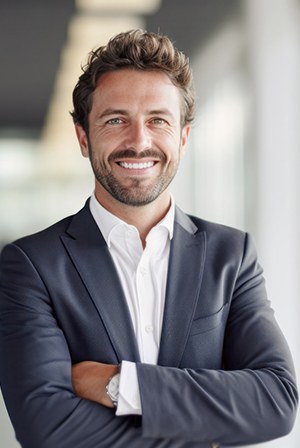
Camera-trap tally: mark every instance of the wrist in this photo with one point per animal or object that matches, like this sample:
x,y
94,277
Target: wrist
x,y
112,387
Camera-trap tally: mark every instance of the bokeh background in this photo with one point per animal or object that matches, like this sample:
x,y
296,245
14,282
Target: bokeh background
x,y
243,164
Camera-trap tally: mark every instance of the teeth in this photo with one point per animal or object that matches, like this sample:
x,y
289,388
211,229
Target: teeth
x,y
136,166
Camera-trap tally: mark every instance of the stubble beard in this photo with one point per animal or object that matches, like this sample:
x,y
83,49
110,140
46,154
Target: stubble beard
x,y
139,192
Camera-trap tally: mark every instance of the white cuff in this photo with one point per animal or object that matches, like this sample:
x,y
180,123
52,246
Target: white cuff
x,y
129,401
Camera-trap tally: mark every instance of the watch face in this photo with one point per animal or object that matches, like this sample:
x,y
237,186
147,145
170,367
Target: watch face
x,y
113,388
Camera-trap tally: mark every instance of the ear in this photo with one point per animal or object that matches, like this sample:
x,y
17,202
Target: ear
x,y
82,139
184,139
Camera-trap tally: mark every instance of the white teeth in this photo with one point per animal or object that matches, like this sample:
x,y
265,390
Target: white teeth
x,y
136,166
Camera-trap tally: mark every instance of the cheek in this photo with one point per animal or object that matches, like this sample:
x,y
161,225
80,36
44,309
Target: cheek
x,y
105,142
100,147
174,149
168,142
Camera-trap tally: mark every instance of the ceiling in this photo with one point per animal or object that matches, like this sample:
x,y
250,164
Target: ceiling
x,y
31,36
33,32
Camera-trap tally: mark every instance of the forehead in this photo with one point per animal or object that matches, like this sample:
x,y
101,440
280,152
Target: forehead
x,y
134,87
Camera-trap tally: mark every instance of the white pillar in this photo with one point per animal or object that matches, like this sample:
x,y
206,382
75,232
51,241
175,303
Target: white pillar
x,y
274,57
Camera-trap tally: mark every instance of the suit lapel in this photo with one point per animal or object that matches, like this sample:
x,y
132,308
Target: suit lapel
x,y
186,265
90,255
92,259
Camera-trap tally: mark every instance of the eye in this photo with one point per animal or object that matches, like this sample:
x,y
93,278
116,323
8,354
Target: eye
x,y
114,121
159,121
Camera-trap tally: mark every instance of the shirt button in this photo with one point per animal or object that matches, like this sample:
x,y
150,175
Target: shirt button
x,y
143,270
128,232
149,329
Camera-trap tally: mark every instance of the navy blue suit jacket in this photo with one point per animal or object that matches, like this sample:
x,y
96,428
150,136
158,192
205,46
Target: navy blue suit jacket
x,y
224,373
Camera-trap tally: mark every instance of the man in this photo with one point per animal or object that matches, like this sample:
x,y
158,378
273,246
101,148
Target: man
x,y
131,324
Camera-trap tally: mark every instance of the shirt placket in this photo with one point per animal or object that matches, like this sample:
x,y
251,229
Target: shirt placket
x,y
147,309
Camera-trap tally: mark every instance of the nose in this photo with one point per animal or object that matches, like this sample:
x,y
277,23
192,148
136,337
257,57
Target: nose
x,y
138,137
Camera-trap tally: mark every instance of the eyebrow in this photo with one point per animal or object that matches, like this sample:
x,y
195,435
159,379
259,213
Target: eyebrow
x,y
110,111
161,112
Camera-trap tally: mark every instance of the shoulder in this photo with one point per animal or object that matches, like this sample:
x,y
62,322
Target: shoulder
x,y
223,239
195,224
47,235
40,246
217,229
230,248
47,240
216,235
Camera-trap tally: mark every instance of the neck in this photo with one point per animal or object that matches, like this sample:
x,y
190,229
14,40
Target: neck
x,y
143,217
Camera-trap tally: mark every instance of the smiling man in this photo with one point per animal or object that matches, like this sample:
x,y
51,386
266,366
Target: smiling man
x,y
135,140
132,324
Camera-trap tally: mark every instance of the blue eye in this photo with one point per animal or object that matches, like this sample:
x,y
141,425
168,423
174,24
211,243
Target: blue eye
x,y
158,121
114,121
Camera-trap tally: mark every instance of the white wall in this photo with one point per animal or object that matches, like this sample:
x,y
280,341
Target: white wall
x,y
7,436
274,50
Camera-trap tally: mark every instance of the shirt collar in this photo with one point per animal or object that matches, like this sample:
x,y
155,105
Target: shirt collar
x,y
106,221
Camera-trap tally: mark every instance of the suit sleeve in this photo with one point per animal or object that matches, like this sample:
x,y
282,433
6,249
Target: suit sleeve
x,y
251,400
35,370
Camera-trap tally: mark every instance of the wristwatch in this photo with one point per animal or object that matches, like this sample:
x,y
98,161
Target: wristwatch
x,y
112,389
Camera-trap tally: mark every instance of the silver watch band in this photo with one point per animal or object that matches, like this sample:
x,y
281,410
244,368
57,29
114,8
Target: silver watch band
x,y
112,388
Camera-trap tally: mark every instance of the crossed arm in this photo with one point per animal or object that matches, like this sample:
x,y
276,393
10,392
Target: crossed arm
x,y
54,404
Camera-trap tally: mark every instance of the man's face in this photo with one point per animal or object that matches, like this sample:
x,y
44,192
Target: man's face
x,y
135,137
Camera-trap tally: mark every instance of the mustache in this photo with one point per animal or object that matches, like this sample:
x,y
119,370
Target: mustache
x,y
132,154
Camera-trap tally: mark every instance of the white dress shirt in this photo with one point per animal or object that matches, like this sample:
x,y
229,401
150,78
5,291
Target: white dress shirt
x,y
143,276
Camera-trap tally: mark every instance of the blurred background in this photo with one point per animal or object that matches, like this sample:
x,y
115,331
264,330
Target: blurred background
x,y
242,166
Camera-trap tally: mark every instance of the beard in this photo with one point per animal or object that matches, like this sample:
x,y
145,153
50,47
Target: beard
x,y
137,192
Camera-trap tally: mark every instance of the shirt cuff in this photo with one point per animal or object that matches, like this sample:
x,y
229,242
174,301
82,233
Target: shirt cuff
x,y
129,401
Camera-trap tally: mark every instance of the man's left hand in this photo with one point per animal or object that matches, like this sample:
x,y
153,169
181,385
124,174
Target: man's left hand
x,y
90,379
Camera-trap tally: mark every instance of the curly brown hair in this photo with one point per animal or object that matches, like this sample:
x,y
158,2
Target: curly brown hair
x,y
140,50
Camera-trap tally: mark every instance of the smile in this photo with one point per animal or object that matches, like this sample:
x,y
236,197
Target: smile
x,y
136,165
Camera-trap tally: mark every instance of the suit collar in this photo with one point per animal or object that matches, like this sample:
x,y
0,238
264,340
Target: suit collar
x,y
185,221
